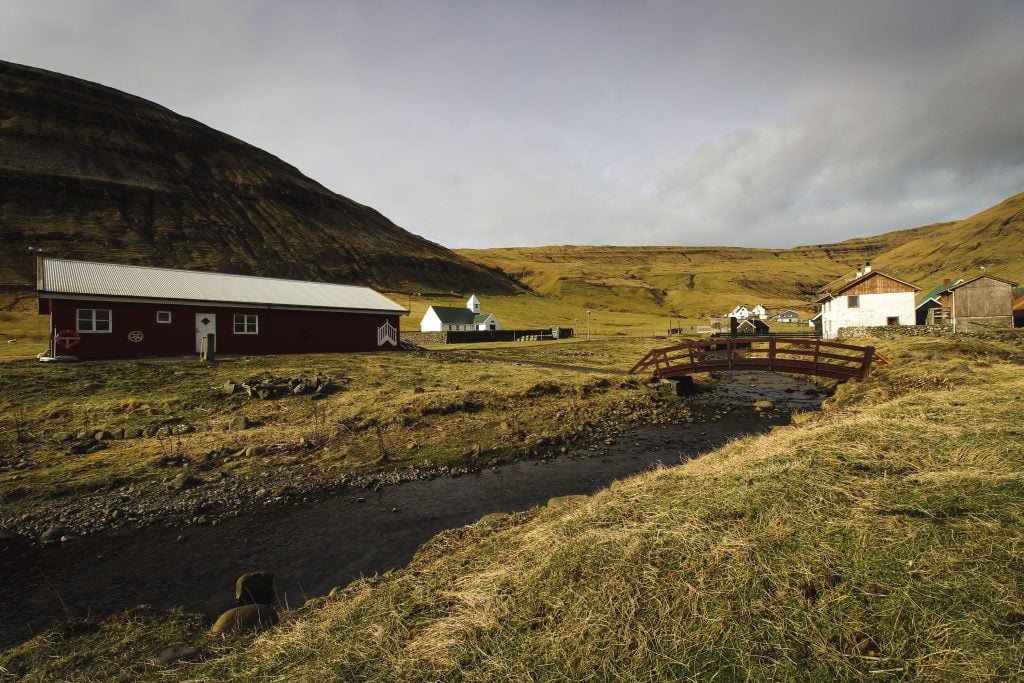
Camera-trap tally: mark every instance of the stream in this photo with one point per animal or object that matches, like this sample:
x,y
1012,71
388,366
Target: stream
x,y
356,533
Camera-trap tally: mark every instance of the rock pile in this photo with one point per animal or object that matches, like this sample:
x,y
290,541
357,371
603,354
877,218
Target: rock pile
x,y
269,388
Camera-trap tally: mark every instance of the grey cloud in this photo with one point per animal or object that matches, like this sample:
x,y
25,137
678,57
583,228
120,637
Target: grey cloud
x,y
527,123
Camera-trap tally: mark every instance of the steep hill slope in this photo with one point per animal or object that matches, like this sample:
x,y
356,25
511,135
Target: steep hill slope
x,y
91,172
993,239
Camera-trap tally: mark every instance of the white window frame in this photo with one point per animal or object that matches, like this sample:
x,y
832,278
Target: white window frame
x,y
246,323
91,319
159,314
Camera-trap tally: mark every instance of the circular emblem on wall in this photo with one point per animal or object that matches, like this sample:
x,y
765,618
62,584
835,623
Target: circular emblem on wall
x,y
135,336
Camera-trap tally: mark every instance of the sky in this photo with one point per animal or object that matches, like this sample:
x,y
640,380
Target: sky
x,y
480,123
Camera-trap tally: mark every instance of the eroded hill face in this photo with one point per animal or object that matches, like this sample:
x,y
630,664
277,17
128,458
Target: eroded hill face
x,y
90,172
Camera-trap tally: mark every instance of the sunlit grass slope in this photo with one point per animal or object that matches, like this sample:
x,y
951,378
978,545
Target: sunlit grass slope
x,y
881,539
993,239
672,282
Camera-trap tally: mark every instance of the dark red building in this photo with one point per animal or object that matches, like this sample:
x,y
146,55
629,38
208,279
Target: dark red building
x,y
106,310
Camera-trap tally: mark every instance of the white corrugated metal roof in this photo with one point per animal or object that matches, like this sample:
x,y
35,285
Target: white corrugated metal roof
x,y
63,276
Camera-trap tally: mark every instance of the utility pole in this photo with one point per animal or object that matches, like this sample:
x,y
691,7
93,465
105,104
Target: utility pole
x,y
588,324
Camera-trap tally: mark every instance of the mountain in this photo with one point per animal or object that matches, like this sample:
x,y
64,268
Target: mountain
x,y
90,172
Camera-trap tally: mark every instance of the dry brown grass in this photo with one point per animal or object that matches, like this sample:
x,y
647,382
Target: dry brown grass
x,y
882,539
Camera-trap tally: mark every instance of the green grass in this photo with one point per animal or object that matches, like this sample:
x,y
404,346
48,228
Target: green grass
x,y
882,539
22,335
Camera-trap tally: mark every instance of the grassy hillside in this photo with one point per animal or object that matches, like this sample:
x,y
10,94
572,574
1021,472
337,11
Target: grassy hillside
x,y
880,539
656,284
90,172
993,238
669,282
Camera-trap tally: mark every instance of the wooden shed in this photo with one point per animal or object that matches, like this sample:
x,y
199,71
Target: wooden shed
x,y
983,302
107,310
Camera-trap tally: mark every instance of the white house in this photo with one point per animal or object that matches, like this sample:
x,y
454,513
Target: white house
x,y
758,312
870,299
454,319
741,312
786,316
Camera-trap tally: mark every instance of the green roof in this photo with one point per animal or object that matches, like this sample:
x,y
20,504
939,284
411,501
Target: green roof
x,y
934,292
453,315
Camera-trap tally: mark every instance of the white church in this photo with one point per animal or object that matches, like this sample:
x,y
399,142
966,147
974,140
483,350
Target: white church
x,y
454,319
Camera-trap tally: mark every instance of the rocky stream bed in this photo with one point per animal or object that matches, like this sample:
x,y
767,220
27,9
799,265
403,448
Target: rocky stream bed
x,y
185,542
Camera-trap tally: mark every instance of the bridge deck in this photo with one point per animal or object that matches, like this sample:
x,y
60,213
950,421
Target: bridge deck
x,y
778,354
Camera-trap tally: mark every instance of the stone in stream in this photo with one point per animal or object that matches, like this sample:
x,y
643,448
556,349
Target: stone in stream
x,y
254,588
245,618
763,405
52,535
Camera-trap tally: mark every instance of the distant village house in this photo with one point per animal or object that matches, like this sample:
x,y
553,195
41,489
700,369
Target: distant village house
x,y
454,319
786,316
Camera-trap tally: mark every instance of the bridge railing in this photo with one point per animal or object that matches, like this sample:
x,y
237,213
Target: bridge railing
x,y
801,356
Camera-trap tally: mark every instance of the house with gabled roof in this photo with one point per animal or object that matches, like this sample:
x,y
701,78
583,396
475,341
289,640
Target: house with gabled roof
x,y
455,319
741,312
870,299
785,316
111,310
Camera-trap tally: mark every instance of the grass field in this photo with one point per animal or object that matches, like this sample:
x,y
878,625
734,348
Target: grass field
x,y
881,539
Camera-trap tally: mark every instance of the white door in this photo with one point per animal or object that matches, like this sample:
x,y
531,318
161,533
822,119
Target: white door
x,y
206,323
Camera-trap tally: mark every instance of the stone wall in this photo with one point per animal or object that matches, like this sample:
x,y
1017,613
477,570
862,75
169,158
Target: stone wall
x,y
894,331
422,338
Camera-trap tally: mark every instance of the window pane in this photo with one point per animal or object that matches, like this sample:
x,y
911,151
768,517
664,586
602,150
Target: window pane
x,y
85,320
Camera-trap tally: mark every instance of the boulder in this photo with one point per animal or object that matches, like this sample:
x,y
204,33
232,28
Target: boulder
x,y
184,481
763,404
245,618
239,423
254,588
132,433
255,451
229,388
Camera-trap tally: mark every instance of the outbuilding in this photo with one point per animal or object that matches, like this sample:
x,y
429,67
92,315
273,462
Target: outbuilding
x,y
982,302
108,310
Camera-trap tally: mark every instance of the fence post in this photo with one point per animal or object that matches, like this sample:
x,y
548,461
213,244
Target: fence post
x,y
206,349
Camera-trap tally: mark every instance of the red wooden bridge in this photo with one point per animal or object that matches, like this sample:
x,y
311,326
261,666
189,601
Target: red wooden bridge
x,y
778,354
